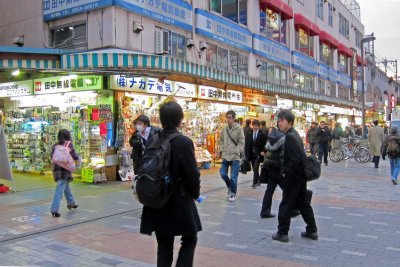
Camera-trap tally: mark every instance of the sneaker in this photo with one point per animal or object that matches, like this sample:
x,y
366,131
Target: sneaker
x,y
313,236
232,198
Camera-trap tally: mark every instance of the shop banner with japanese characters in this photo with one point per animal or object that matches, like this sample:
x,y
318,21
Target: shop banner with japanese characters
x,y
212,93
21,88
63,84
257,99
152,86
55,9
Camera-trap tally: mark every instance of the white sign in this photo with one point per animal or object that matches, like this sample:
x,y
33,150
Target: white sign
x,y
54,9
63,84
21,88
284,103
152,86
212,93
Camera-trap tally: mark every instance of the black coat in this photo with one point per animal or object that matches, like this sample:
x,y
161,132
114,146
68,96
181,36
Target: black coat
x,y
179,216
293,156
274,155
323,135
252,149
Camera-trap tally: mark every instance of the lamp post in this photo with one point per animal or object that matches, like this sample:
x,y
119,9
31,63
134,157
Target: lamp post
x,y
366,39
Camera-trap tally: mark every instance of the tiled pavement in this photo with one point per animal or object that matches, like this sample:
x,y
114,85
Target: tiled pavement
x,y
357,211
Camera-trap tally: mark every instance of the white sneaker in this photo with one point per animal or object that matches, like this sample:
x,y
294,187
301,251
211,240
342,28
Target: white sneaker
x,y
232,198
228,195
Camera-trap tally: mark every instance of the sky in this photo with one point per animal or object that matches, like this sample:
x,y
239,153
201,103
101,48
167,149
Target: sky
x,y
382,18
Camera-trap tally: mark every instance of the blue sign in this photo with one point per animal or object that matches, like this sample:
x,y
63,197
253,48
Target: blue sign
x,y
173,12
333,75
222,30
323,71
55,9
304,63
344,79
270,49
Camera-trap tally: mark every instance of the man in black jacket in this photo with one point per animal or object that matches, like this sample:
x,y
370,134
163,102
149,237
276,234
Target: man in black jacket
x,y
255,141
324,136
295,190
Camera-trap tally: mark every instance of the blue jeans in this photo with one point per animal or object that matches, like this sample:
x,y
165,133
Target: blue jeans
x,y
394,168
323,152
62,187
232,182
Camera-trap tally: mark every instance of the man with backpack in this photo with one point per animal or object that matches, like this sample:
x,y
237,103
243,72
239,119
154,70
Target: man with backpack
x,y
324,136
391,148
231,144
168,184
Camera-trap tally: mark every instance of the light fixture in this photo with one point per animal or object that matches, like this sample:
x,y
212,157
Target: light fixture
x,y
15,72
277,96
71,28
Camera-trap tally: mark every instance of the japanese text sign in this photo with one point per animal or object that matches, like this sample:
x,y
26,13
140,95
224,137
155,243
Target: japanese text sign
x,y
62,84
212,93
54,9
21,88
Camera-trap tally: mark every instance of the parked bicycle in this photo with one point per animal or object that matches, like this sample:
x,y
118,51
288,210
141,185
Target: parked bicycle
x,y
350,148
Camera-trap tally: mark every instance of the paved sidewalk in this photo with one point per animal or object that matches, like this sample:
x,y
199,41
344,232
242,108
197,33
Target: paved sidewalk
x,y
357,211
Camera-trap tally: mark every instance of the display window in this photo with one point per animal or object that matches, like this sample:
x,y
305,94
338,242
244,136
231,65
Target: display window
x,y
273,26
303,81
304,42
326,54
343,63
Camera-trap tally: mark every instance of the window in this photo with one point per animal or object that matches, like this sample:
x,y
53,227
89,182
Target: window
x,y
273,73
211,55
272,26
330,14
304,42
227,60
222,59
234,57
235,10
178,46
303,82
326,54
243,65
343,26
358,38
263,71
71,36
320,9
343,93
342,63
321,86
331,89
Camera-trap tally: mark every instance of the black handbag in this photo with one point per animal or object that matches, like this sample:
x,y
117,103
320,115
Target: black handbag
x,y
245,166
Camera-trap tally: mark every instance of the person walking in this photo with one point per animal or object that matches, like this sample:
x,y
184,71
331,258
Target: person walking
x,y
295,192
179,216
255,142
375,138
264,128
391,148
312,138
231,145
246,128
62,176
324,136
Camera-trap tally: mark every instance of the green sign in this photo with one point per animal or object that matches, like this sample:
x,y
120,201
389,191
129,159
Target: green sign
x,y
63,84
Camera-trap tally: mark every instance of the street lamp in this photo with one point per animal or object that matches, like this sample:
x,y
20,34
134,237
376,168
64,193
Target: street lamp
x,y
366,39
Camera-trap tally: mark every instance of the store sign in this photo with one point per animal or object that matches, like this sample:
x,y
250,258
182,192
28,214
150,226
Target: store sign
x,y
333,75
344,79
304,63
222,30
337,110
284,103
392,101
55,9
21,88
272,50
306,106
212,93
172,12
257,99
152,86
323,71
63,84
105,111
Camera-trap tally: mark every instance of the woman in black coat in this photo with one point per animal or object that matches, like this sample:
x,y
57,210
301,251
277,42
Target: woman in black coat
x,y
179,216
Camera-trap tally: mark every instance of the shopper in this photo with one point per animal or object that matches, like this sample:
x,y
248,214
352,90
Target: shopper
x,y
62,176
264,128
179,216
144,132
231,144
255,142
312,138
324,136
246,128
375,138
391,148
295,190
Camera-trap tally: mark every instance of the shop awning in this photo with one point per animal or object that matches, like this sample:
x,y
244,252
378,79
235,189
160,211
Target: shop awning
x,y
345,50
302,22
278,6
327,38
359,61
12,57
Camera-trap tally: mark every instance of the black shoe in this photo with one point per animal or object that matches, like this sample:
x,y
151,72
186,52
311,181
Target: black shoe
x,y
72,206
295,213
258,184
326,163
394,182
280,238
253,186
267,216
313,236
56,214
376,167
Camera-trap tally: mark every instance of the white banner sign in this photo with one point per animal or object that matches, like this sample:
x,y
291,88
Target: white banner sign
x,y
21,88
212,93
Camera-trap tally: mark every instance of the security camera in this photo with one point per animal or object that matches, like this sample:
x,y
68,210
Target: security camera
x,y
203,46
258,63
137,27
190,43
19,40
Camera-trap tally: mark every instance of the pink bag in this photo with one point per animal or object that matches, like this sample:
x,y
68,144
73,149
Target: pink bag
x,y
62,157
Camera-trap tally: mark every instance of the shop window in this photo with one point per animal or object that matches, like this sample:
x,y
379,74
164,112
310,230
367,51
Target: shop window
x,y
304,42
344,26
235,10
243,65
326,54
71,36
330,14
343,63
222,59
272,25
320,9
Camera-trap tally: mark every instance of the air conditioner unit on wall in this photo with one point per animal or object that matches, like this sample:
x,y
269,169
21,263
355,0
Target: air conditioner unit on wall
x,y
161,42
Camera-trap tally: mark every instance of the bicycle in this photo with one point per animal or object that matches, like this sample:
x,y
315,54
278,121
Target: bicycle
x,y
350,148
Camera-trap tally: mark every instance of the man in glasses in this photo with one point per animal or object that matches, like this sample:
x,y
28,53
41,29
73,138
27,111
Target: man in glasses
x,y
231,145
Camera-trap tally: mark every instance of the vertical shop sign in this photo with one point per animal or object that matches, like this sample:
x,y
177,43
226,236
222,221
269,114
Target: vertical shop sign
x,y
392,101
55,9
212,93
63,84
22,88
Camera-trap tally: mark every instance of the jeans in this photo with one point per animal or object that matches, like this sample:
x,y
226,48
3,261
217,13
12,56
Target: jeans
x,y
232,182
313,148
394,168
62,187
323,151
165,250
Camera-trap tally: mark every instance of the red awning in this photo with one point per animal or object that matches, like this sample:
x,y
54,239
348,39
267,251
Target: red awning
x,y
359,61
345,51
278,6
327,38
302,22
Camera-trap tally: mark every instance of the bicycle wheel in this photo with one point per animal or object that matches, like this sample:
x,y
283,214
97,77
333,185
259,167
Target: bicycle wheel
x,y
361,155
336,154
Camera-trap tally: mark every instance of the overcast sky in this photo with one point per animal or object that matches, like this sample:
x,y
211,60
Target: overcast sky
x,y
382,18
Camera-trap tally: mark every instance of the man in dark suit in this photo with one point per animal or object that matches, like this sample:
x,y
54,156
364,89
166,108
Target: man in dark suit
x,y
295,190
254,146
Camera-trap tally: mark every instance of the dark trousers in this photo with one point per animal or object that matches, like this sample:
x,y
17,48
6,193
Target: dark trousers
x,y
323,151
165,250
269,192
375,160
313,149
255,164
295,196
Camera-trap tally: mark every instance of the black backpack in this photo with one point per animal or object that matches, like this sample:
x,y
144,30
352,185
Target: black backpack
x,y
154,185
312,168
393,146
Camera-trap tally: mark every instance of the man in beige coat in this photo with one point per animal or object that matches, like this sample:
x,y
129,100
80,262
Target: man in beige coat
x,y
375,138
231,144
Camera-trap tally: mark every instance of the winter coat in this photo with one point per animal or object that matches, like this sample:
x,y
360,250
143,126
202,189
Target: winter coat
x,y
229,150
323,135
179,216
337,133
275,155
375,138
293,157
385,145
312,138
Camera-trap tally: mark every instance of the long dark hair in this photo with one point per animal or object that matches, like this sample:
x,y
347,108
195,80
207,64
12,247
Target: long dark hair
x,y
63,136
